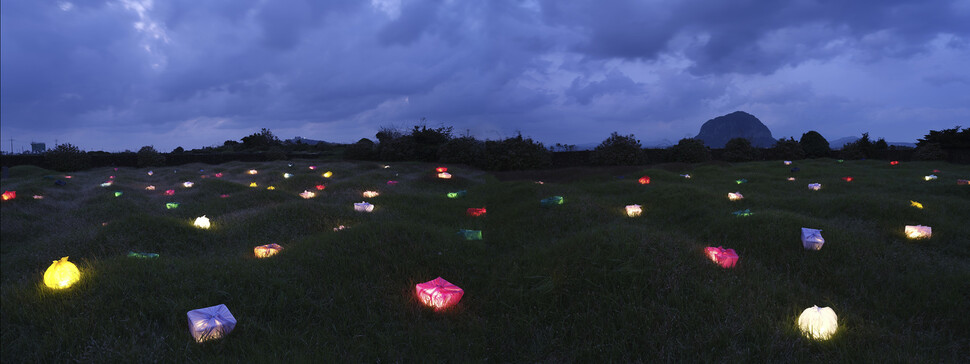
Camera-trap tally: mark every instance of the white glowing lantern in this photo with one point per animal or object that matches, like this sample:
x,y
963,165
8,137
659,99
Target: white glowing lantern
x,y
444,175
252,171
150,173
187,184
791,178
818,323
370,194
812,239
687,176
307,194
930,177
633,210
210,323
363,207
787,163
287,175
918,232
734,196
150,188
814,186
202,222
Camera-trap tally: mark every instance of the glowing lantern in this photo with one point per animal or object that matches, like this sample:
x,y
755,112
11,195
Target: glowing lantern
x,y
320,187
787,163
918,231
471,234
287,175
791,178
392,183
915,204
68,177
202,222
814,186
893,163
111,177
963,182
307,194
338,228
61,274
9,195
552,201
150,188
223,195
142,255
812,239
847,179
444,175
107,184
540,183
117,193
740,181
150,173
840,161
645,180
370,194
473,211
252,184
734,196
438,293
743,213
218,175
38,197
441,169
386,166
930,177
266,251
726,258
169,192
363,207
633,210
458,194
327,174
171,205
271,188
818,323
252,171
210,323
936,171
313,167
687,176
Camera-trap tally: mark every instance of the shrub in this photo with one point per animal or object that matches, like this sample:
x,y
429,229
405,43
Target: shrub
x,y
465,150
740,150
619,150
516,153
814,145
67,158
788,149
275,153
149,157
363,149
929,152
427,141
689,150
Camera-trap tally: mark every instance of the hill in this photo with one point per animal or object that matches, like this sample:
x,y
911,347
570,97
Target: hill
x,y
718,131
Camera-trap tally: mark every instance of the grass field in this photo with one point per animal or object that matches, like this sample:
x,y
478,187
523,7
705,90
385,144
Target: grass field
x,y
575,282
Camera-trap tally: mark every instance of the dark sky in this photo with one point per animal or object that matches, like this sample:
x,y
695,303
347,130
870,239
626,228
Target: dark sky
x,y
116,75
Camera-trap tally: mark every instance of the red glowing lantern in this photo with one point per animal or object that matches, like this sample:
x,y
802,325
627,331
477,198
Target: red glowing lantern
x,y
847,179
169,192
441,169
645,180
893,163
438,293
726,258
474,211
320,187
963,182
9,195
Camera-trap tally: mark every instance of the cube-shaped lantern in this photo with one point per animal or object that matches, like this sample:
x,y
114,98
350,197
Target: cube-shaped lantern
x,y
552,201
444,175
918,232
266,251
38,197
338,228
726,258
930,177
150,188
438,293
171,205
734,196
327,174
458,194
441,169
915,204
9,195
812,239
814,186
740,181
818,323
224,195
476,211
187,184
320,187
363,207
840,161
645,180
787,163
61,274
287,175
470,234
169,192
307,194
633,210
252,171
142,255
370,194
847,179
202,222
743,213
210,323
893,163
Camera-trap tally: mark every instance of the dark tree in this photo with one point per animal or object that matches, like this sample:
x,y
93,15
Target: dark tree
x,y
619,150
689,150
788,149
740,150
149,157
815,145
947,138
67,158
262,140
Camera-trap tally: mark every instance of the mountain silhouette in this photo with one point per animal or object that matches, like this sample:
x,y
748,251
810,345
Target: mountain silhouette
x,y
716,132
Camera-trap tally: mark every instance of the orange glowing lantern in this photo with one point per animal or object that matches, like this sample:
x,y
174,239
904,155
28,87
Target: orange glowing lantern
x,y
726,258
818,323
307,194
169,192
266,251
441,169
633,210
791,178
9,195
370,194
252,171
735,196
438,293
474,211
210,323
320,187
645,180
61,274
918,232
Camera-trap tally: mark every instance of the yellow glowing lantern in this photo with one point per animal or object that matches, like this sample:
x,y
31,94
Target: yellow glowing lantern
x,y
61,274
307,194
187,184
271,188
202,222
266,251
444,175
918,231
150,188
327,174
734,196
252,171
287,175
818,323
915,204
252,184
633,210
370,194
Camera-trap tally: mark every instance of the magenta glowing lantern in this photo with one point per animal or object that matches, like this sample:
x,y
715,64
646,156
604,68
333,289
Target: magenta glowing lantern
x,y
169,192
726,258
438,293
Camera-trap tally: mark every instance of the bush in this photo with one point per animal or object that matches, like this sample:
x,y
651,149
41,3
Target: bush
x,y
788,149
814,145
740,150
515,154
67,158
464,150
428,141
930,152
363,149
619,150
275,153
149,157
689,150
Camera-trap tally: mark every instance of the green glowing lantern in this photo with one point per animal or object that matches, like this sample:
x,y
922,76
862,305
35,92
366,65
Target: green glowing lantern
x,y
171,205
743,213
740,181
551,201
471,234
117,193
142,255
458,194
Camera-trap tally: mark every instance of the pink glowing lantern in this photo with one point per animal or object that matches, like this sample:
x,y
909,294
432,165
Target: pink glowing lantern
x,y
266,251
441,169
218,175
307,194
38,197
438,293
645,180
169,192
726,258
223,195
474,211
9,195
313,167
392,183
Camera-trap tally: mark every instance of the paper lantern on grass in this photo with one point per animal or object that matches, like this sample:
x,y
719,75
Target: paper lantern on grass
x,y
475,211
111,177
645,180
458,194
812,239
438,293
633,210
363,207
150,173
687,176
338,228
386,166
818,323
253,184
188,184
118,193
840,161
893,163
9,195
726,258
171,205
735,196
787,163
392,183
150,188
38,197
202,222
271,188
169,192
963,182
107,184
252,171
441,169
327,174
370,194
218,175
847,179
266,251
210,323
918,232
287,175
313,168
791,178
444,175
470,234
320,187
142,255
915,204
61,274
930,177
740,181
814,186
743,213
552,201
307,194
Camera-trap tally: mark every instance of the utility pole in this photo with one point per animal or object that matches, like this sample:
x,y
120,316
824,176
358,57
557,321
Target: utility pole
x,y
11,145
